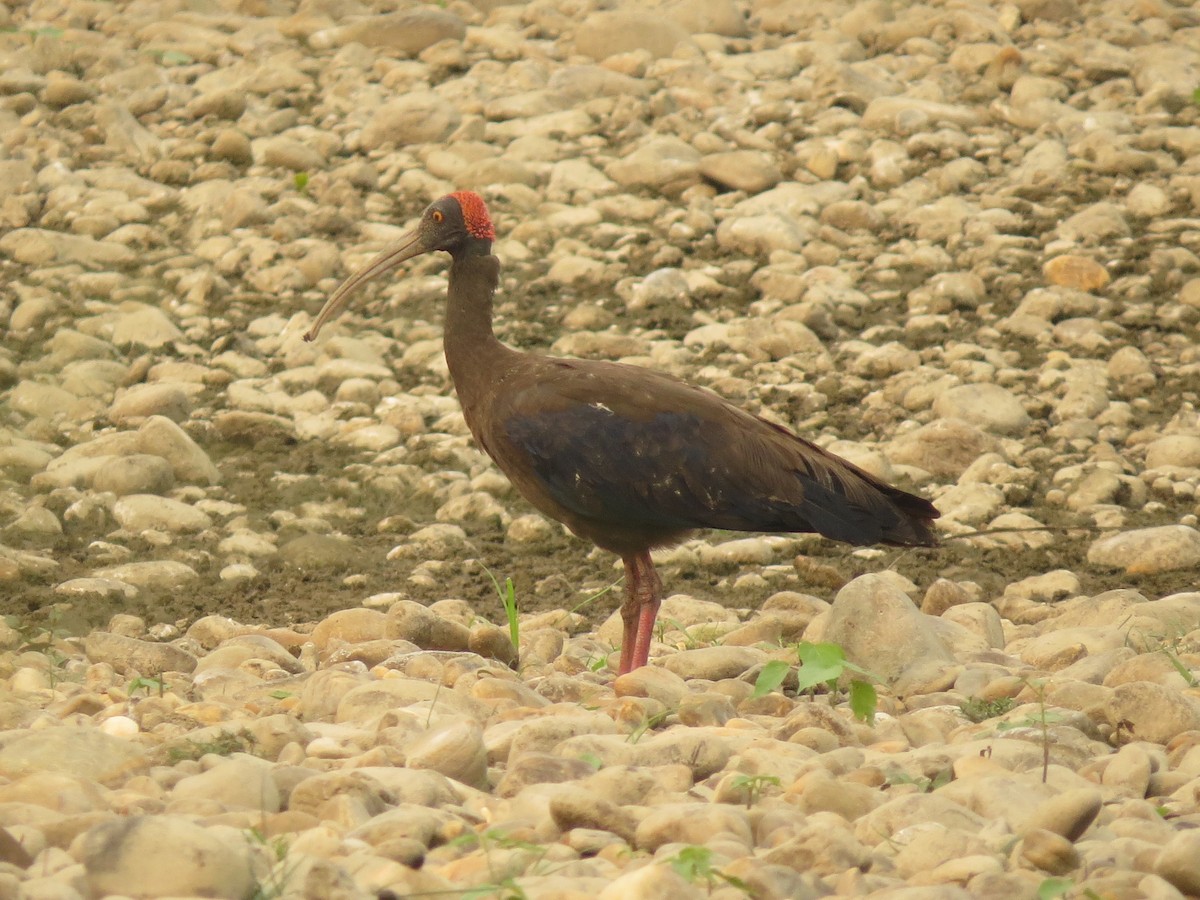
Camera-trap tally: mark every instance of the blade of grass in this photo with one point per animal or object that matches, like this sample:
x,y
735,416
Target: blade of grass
x,y
508,599
596,596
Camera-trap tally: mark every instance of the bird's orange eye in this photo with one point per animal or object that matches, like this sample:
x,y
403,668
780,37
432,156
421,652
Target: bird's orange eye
x,y
437,216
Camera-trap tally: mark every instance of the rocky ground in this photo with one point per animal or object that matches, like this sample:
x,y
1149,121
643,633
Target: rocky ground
x,y
252,647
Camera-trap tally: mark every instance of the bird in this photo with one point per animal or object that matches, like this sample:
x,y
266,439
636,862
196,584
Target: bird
x,y
626,457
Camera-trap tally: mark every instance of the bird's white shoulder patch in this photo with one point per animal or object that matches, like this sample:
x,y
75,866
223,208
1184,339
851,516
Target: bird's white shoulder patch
x,y
601,406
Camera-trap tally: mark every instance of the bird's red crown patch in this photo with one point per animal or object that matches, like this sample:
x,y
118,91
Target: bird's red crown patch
x,y
475,215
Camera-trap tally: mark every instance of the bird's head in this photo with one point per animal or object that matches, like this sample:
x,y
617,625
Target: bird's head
x,y
457,223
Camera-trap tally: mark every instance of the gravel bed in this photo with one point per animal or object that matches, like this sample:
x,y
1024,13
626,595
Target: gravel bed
x,y
251,646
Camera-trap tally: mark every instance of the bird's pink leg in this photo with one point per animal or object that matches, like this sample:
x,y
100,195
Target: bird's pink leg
x,y
629,613
643,594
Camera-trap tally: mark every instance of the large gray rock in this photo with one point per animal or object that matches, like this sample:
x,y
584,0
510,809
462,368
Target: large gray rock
x,y
988,406
1145,551
1174,450
665,164
240,782
605,34
1179,862
146,512
722,17
163,856
1152,712
882,630
408,32
127,653
420,117
138,473
83,752
691,823
43,247
455,749
944,447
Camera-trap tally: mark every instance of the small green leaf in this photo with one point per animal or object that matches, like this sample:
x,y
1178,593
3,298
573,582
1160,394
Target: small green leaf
x,y
1051,888
941,779
280,695
863,700
692,862
592,760
300,180
820,663
1196,95
770,678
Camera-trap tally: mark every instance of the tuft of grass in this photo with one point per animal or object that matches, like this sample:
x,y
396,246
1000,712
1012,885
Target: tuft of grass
x,y
502,888
690,642
224,744
978,710
1041,720
753,786
143,683
175,58
923,784
648,724
275,882
44,640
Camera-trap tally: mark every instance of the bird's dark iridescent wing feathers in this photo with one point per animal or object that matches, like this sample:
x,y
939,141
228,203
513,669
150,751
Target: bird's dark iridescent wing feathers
x,y
676,457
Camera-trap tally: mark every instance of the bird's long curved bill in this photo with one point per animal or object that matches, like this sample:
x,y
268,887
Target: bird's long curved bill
x,y
408,247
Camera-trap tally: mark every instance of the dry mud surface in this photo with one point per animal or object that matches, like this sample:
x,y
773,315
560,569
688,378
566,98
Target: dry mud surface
x,y
245,579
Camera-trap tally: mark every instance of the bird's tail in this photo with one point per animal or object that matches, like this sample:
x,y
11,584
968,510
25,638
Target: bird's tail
x,y
913,526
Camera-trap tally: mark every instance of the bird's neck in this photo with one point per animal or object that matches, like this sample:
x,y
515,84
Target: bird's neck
x,y
472,351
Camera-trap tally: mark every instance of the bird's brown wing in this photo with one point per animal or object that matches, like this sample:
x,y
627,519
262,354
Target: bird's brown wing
x,y
622,447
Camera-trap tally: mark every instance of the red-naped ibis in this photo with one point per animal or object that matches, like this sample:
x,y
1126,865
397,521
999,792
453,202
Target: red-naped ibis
x,y
629,458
